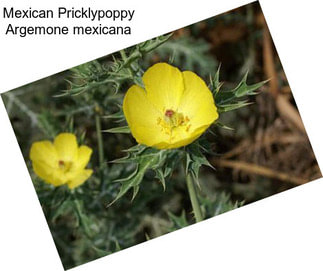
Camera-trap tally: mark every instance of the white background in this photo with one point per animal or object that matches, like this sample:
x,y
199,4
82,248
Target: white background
x,y
282,232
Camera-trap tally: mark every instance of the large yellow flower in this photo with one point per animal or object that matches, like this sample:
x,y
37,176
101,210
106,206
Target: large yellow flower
x,y
61,162
173,110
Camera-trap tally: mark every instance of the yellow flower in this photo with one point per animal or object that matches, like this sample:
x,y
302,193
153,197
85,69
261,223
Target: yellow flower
x,y
61,162
174,109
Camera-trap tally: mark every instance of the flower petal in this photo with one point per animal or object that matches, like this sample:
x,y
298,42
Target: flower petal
x,y
80,178
45,152
66,146
182,138
83,158
48,174
164,85
197,101
142,117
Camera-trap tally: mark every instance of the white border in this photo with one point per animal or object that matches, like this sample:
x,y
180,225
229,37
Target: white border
x,y
283,232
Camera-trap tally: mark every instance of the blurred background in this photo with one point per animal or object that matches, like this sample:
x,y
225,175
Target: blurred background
x,y
267,151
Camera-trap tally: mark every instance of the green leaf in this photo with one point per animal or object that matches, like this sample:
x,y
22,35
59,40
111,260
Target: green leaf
x,y
62,209
194,160
218,204
147,236
215,82
189,54
143,48
243,89
151,45
225,98
119,130
230,107
118,115
83,219
179,222
162,162
48,124
221,125
100,252
160,175
146,159
117,245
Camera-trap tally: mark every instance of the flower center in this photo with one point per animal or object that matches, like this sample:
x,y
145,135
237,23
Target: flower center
x,y
173,120
65,166
169,113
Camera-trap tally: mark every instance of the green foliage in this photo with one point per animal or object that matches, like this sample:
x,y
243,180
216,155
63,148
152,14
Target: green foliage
x,y
194,160
219,204
232,99
48,124
84,223
189,54
144,159
116,130
112,75
178,222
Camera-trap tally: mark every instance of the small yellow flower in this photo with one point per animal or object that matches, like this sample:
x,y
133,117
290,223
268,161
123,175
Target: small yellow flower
x,y
61,162
174,109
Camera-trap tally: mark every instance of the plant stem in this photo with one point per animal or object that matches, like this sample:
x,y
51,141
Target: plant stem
x,y
81,216
100,141
123,55
125,58
193,197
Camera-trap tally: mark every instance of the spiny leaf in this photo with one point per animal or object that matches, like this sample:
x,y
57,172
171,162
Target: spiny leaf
x,y
119,130
179,222
48,124
62,209
117,115
150,45
100,252
215,82
148,159
144,158
137,148
221,125
117,245
143,48
83,219
220,203
131,175
194,160
160,176
147,236
189,54
241,90
230,107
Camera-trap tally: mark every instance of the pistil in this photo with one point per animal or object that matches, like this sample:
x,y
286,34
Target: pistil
x,y
173,120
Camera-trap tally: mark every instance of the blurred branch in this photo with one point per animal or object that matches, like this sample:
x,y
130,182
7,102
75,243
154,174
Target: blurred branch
x,y
13,99
269,65
258,170
285,108
289,112
247,146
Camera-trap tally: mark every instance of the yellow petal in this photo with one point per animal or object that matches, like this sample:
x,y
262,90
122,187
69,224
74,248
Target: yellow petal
x,y
48,174
142,117
66,146
80,178
197,101
182,138
83,158
164,86
44,151
43,170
